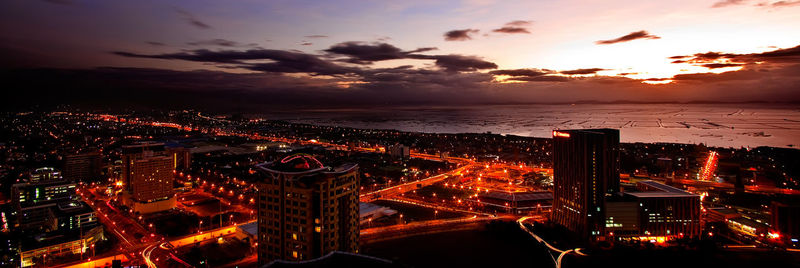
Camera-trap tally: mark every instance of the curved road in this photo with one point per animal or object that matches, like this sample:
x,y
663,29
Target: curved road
x,y
562,253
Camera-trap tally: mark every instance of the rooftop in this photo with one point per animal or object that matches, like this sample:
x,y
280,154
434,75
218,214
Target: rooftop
x,y
302,164
297,163
250,228
656,189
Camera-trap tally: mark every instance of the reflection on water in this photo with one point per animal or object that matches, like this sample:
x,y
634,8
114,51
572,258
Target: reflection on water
x,y
722,125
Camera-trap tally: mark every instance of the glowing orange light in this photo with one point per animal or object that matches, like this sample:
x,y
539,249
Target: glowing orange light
x,y
560,134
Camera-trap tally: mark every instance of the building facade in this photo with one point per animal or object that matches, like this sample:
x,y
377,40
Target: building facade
x,y
653,212
45,174
148,175
585,171
785,219
306,210
41,193
83,167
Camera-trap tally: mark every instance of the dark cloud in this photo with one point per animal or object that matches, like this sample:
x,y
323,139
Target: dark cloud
x,y
521,72
511,30
713,59
367,53
220,42
725,3
306,44
520,23
515,27
61,2
460,35
316,36
281,61
772,75
460,63
582,71
543,78
153,43
192,20
409,78
721,65
628,37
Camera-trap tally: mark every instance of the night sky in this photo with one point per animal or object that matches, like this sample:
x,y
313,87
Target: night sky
x,y
332,53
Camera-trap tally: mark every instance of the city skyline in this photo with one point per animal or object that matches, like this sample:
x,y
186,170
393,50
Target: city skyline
x,y
447,53
181,188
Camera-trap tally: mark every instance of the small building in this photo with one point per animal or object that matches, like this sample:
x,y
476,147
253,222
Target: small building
x,y
248,232
720,214
33,249
747,227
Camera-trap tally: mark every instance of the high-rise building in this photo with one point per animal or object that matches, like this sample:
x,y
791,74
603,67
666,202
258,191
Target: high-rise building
x,y
306,209
147,171
151,178
83,167
585,171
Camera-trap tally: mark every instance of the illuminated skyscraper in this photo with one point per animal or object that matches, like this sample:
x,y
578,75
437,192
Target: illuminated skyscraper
x,y
147,172
306,210
585,171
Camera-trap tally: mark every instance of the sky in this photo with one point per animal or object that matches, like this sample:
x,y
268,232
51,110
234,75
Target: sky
x,y
248,52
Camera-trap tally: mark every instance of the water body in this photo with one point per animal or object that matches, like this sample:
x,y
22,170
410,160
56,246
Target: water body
x,y
719,125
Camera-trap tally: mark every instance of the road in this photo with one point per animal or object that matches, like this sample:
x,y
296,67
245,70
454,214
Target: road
x,y
389,192
561,253
377,234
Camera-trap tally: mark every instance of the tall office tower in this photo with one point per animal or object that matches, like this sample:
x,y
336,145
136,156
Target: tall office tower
x,y
147,172
306,210
83,167
585,171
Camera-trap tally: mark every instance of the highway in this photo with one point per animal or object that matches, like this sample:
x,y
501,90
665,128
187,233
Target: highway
x,y
409,186
397,231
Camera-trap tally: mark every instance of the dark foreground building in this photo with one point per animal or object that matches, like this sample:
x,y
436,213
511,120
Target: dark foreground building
x,y
585,171
306,210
